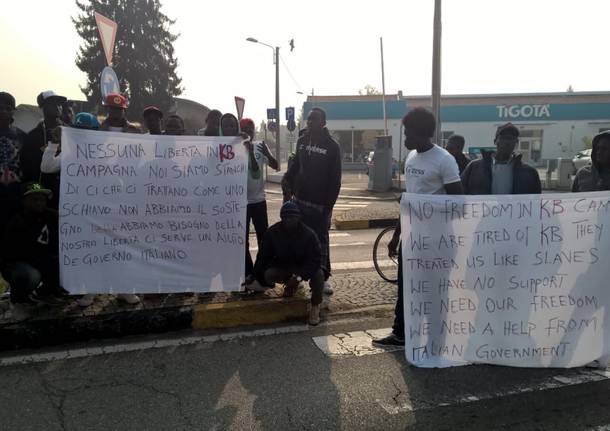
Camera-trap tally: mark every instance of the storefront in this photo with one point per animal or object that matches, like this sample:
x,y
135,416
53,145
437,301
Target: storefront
x,y
552,125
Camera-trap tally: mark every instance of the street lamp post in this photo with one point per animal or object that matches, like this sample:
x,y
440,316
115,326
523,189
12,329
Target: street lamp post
x,y
276,59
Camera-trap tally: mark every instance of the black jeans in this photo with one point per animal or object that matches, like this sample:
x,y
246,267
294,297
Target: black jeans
x,y
258,214
398,328
318,221
282,275
25,277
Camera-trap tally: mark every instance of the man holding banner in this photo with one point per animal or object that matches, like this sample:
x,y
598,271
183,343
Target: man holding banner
x,y
429,169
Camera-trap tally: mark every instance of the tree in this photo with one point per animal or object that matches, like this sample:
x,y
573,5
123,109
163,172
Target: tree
x,y
368,90
143,55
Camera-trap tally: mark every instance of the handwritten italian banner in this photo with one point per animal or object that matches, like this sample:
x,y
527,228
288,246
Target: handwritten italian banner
x,y
520,281
151,214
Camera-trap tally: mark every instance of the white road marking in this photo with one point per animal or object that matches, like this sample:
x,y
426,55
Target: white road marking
x,y
345,244
365,264
144,345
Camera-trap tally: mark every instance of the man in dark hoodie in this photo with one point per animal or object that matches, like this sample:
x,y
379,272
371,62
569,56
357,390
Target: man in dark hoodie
x,y
502,172
455,147
12,141
290,254
31,251
596,176
314,180
38,138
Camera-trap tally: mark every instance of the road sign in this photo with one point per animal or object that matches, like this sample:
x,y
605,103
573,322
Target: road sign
x,y
239,104
291,125
109,82
272,126
271,114
107,29
290,114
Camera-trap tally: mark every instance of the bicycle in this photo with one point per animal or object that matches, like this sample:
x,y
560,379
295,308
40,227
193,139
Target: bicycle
x,y
387,267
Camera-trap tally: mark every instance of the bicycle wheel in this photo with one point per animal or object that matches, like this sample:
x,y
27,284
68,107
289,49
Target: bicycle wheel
x,y
386,267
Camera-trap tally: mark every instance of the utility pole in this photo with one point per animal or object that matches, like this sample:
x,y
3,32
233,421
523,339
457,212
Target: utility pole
x,y
277,107
436,70
385,118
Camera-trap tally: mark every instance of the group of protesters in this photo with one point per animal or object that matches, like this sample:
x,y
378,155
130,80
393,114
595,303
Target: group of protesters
x,y
430,169
293,251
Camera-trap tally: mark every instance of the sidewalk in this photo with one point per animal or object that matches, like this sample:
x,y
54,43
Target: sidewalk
x,y
107,318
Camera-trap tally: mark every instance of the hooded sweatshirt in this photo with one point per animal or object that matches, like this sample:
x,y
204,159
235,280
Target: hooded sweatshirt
x,y
589,178
314,176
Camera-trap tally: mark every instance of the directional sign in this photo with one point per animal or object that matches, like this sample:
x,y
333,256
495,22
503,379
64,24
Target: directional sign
x,y
290,113
271,114
107,29
109,82
239,104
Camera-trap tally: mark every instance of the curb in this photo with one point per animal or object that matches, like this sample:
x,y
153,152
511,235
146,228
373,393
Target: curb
x,y
34,333
364,224
247,313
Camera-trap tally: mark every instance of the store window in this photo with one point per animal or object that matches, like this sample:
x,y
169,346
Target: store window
x,y
363,143
530,145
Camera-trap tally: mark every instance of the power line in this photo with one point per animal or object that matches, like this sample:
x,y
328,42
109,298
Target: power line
x,y
290,74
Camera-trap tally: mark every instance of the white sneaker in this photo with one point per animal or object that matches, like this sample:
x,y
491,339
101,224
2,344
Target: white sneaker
x,y
129,298
314,315
86,300
328,290
255,286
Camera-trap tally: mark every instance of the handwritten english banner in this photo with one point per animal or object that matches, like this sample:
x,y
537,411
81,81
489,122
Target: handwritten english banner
x,y
517,280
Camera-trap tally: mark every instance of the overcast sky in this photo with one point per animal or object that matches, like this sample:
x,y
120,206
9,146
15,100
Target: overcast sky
x,y
489,46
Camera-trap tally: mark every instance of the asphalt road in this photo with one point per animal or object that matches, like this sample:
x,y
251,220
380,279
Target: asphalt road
x,y
285,382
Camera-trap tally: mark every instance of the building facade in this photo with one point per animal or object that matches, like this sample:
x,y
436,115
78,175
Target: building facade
x,y
552,125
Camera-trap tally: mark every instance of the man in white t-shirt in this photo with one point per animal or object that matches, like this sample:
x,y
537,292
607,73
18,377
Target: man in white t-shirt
x,y
429,169
257,201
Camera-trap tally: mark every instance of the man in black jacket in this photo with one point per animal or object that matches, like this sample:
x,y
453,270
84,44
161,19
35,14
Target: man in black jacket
x,y
31,251
502,172
12,141
290,253
314,180
596,176
38,138
455,147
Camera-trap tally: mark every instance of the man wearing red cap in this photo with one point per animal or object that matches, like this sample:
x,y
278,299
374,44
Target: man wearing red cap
x,y
116,104
152,119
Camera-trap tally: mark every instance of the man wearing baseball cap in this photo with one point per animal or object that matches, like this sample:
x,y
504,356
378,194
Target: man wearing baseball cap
x,y
38,138
12,141
290,253
501,172
30,250
116,121
152,119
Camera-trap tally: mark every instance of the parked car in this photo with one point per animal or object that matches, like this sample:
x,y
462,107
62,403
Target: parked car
x,y
582,158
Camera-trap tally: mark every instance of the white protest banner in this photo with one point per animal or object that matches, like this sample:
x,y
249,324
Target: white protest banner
x,y
150,214
509,280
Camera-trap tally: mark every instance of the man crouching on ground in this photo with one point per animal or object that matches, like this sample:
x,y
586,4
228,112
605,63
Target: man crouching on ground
x,y
290,253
